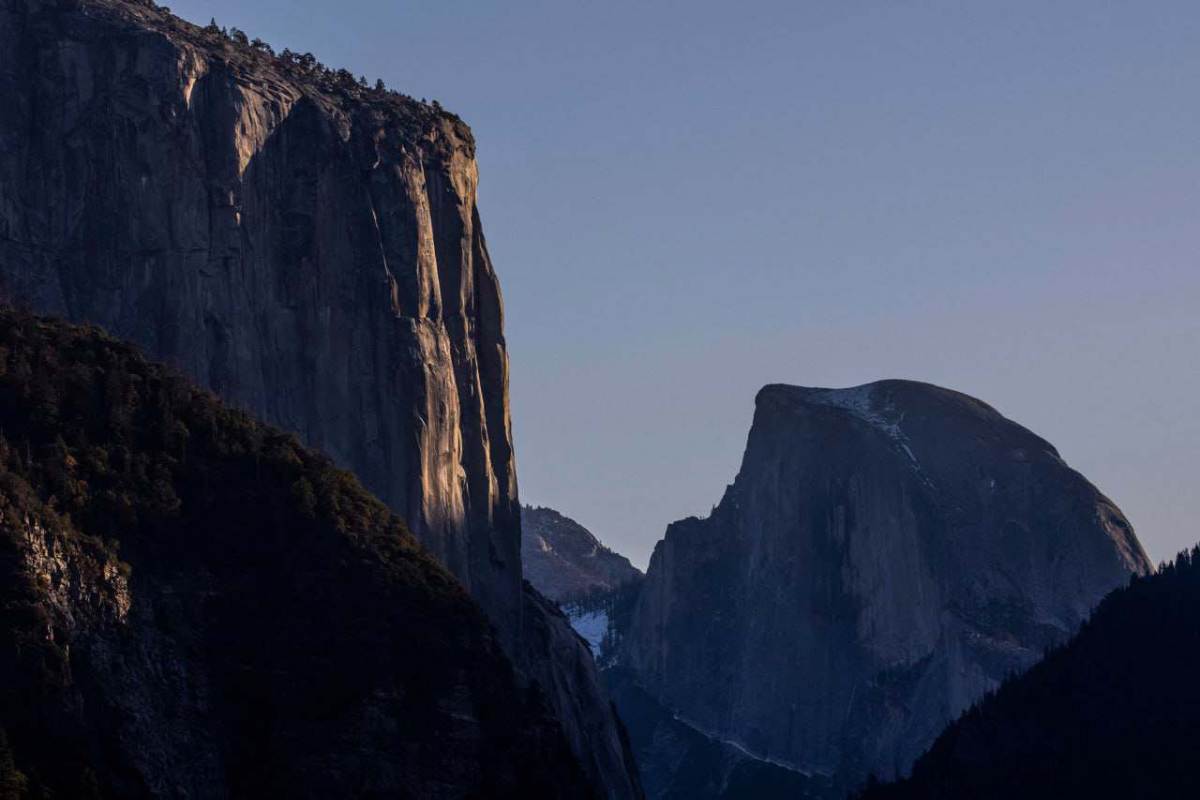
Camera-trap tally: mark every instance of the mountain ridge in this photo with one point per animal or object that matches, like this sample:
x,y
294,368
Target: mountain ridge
x,y
562,558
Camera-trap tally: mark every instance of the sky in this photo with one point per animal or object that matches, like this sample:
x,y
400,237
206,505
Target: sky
x,y
688,200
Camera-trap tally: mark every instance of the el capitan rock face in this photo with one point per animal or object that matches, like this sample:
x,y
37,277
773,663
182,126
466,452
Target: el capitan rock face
x,y
562,558
309,251
885,556
308,248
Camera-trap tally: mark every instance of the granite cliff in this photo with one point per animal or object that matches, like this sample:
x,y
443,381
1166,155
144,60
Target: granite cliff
x,y
307,247
561,558
885,556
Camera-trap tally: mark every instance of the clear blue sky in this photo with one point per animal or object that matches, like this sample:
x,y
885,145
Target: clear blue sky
x,y
687,200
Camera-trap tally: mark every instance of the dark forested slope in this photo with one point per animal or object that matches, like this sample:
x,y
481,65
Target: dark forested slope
x,y
192,604
1113,713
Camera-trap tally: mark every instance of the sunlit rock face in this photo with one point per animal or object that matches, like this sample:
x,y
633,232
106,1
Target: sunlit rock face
x,y
307,248
885,556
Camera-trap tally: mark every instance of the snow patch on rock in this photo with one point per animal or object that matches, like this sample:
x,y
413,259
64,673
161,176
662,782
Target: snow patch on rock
x,y
857,400
591,625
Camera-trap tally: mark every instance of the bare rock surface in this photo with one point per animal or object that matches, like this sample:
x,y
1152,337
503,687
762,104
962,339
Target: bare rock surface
x,y
886,555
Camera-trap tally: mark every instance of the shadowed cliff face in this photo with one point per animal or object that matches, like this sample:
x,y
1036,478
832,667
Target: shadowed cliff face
x,y
885,556
307,248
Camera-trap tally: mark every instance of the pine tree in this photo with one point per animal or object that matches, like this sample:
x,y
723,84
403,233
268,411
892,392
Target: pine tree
x,y
13,782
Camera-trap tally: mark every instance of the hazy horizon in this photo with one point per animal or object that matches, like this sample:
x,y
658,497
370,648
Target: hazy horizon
x,y
686,201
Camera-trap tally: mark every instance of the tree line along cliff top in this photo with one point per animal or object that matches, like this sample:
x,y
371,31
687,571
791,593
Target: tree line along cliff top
x,y
255,61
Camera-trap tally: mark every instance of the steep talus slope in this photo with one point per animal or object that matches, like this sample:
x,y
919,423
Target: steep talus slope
x,y
561,558
194,605
1113,713
306,247
885,556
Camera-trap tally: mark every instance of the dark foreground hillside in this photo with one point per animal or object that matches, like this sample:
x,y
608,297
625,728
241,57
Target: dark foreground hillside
x,y
192,604
1113,713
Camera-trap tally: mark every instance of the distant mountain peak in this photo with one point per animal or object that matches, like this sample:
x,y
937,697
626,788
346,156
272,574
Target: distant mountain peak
x,y
562,558
886,554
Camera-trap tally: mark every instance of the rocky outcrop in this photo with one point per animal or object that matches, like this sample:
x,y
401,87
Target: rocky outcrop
x,y
573,690
561,558
194,605
886,555
307,247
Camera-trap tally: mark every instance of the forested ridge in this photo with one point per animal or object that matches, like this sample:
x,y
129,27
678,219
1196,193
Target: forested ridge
x,y
193,603
1114,712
